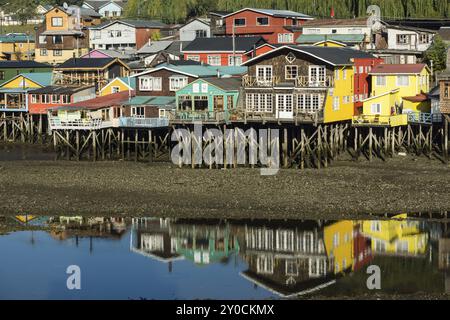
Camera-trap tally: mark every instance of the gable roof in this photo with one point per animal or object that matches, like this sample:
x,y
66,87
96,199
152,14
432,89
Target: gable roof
x,y
206,22
98,4
223,44
24,64
124,80
219,13
330,55
398,68
275,13
138,24
88,63
154,47
111,53
41,78
113,99
59,89
360,22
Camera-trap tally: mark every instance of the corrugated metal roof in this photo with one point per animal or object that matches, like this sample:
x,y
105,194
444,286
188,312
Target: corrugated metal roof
x,y
345,38
398,68
24,64
242,44
42,78
95,63
226,84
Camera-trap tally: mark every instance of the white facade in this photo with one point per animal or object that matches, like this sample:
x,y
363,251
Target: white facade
x,y
110,10
402,39
195,29
337,30
113,36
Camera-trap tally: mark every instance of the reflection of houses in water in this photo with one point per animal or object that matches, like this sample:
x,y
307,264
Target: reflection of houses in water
x,y
288,259
151,237
444,258
204,243
167,240
64,227
398,236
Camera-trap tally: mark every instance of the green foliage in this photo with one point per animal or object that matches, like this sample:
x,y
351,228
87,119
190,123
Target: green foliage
x,y
437,53
180,10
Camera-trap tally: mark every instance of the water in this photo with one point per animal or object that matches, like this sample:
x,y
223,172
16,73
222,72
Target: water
x,y
152,258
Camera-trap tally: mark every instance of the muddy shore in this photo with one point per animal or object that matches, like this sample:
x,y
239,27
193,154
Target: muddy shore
x,y
346,190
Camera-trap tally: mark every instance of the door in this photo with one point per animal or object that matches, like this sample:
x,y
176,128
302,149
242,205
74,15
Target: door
x,y
316,76
284,106
218,103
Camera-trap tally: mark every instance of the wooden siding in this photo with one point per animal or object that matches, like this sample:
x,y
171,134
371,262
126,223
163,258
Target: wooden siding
x,y
164,75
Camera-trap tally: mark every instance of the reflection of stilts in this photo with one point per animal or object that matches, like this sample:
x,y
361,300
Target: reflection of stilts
x,y
91,246
170,266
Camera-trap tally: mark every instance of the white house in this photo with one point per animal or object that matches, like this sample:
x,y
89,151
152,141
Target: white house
x,y
196,28
123,34
107,8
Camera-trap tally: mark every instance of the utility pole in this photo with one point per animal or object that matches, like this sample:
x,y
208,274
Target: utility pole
x,y
234,43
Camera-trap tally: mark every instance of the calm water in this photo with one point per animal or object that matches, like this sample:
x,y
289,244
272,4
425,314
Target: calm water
x,y
133,258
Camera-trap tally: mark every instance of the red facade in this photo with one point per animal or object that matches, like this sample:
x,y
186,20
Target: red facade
x,y
267,26
362,83
40,103
223,57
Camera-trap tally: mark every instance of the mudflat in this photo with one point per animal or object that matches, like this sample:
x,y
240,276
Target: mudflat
x,y
347,189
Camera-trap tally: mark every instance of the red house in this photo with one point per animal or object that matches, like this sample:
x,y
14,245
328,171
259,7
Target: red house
x,y
275,26
221,51
362,83
40,100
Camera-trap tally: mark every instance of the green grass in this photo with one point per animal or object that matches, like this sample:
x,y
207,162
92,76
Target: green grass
x,y
18,29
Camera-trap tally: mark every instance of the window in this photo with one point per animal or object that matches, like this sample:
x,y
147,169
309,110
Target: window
x,y
285,102
344,74
33,98
240,22
138,112
375,226
309,103
163,113
45,99
336,103
291,72
193,58
57,53
58,39
201,34
336,74
336,239
43,39
55,98
361,69
262,21
176,83
291,268
115,89
316,76
236,61
150,84
264,73
106,13
381,80
259,102
447,90
214,60
57,22
285,37
424,38
264,264
403,39
44,52
201,103
65,99
403,81
376,108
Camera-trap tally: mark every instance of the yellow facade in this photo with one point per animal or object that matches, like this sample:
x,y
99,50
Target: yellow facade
x,y
330,43
116,85
16,50
339,101
416,84
65,54
397,236
58,20
21,82
338,239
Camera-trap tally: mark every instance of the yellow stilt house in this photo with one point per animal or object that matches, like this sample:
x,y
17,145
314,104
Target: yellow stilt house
x,y
398,96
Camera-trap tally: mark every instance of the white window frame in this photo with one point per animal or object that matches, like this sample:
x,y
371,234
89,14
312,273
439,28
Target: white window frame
x,y
285,38
193,57
336,103
214,56
375,108
237,58
115,89
286,73
259,102
134,113
153,83
176,83
380,81
266,76
320,73
60,21
399,83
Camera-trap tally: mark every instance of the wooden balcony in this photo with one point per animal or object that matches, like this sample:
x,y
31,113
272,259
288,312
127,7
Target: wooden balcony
x,y
299,82
201,116
57,123
380,120
424,118
131,122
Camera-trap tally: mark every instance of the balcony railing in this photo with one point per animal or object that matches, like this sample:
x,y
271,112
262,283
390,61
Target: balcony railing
x,y
143,122
299,82
56,123
315,82
205,116
424,117
380,120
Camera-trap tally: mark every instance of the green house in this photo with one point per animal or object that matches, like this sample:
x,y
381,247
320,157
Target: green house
x,y
208,99
10,69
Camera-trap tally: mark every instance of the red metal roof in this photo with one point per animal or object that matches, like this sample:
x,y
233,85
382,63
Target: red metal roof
x,y
398,68
113,99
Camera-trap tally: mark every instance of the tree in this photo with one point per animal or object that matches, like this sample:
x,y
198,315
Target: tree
x,y
437,53
23,10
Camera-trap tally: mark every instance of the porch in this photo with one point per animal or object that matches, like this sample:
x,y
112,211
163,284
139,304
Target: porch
x,y
380,120
13,100
424,118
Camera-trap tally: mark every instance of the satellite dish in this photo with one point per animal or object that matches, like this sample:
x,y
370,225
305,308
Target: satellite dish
x,y
65,5
374,20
